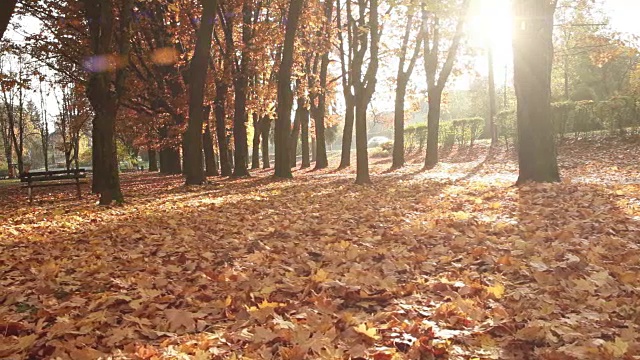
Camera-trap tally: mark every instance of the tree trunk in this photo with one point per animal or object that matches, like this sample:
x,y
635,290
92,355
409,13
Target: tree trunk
x,y
105,168
347,136
533,59
6,11
285,96
211,167
170,161
241,86
198,68
313,149
398,123
265,129
221,130
319,113
362,158
255,149
103,99
402,79
295,133
153,161
433,127
491,128
304,133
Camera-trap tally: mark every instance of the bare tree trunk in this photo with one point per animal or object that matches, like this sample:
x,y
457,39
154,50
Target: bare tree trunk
x,y
433,127
362,157
304,133
285,96
265,128
402,80
6,11
491,127
255,149
153,161
295,133
104,101
221,130
193,156
320,111
533,60
241,86
211,166
169,156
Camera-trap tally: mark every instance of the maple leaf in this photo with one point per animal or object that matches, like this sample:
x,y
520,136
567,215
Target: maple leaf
x,y
370,332
617,348
180,320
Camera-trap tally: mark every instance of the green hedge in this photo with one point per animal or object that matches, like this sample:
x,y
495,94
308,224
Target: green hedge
x,y
463,132
617,115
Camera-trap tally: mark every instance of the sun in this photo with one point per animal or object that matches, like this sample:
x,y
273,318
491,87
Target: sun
x,y
489,24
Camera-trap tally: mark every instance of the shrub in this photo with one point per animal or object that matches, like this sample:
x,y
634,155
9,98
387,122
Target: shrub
x,y
467,130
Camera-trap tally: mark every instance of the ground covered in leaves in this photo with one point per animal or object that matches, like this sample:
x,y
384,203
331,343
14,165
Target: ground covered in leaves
x,y
450,263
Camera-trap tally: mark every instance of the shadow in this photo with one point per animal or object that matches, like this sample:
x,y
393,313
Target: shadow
x,y
476,169
405,250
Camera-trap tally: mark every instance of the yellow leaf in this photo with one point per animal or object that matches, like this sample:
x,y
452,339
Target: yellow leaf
x,y
367,331
497,290
320,276
617,348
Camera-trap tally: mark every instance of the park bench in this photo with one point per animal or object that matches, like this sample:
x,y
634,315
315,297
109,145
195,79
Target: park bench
x,y
53,178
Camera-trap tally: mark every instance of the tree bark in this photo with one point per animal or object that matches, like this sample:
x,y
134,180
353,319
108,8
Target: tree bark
x,y
285,96
295,133
347,135
6,11
362,157
491,127
221,129
198,68
169,156
265,129
436,81
255,149
402,80
153,160
433,127
533,60
398,124
320,111
241,86
211,167
304,133
104,101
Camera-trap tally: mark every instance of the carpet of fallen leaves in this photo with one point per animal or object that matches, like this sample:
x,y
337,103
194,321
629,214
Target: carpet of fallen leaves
x,y
450,263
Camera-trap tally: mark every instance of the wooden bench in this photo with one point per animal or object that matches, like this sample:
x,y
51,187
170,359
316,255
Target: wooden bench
x,y
53,178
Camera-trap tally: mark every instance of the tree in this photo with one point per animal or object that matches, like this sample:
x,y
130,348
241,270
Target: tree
x,y
437,74
6,11
402,80
490,126
285,95
193,157
14,86
318,99
365,37
105,102
347,86
532,62
42,126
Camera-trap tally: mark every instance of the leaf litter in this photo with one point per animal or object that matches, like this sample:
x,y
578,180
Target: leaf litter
x,y
453,263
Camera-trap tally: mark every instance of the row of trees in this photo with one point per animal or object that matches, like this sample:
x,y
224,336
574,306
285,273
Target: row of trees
x,y
25,127
184,78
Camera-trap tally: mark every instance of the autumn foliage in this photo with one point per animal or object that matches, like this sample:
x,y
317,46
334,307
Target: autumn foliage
x,y
454,264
